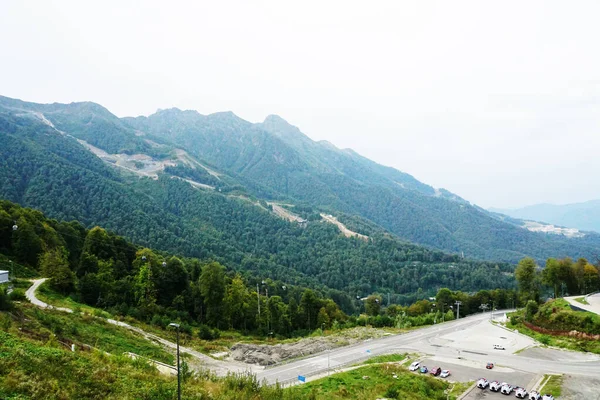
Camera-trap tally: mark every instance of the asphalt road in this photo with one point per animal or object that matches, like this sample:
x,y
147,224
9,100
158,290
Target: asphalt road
x,y
467,342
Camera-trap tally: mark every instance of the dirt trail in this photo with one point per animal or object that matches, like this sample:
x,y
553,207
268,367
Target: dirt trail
x,y
347,232
219,367
285,213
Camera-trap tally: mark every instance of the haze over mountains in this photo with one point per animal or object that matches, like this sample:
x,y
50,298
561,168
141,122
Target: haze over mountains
x,y
271,161
584,216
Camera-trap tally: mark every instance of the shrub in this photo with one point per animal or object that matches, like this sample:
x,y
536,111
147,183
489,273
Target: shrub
x,y
17,295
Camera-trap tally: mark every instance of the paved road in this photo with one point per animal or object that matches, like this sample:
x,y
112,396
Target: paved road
x,y
464,345
593,300
219,367
470,338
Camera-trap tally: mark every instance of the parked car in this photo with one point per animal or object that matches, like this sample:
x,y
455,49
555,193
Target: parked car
x,y
495,386
506,388
489,365
435,371
520,393
499,347
547,397
482,383
414,366
534,395
445,373
424,369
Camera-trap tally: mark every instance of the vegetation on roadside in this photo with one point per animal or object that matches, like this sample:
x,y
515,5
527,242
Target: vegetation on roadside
x,y
62,329
374,381
553,385
29,370
386,358
582,300
557,315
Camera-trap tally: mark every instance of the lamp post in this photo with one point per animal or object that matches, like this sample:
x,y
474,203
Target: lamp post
x,y
174,325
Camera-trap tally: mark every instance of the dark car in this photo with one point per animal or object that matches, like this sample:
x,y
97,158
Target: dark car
x,y
435,371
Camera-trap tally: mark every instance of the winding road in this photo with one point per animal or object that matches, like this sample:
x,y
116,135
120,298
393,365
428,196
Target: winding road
x,y
467,342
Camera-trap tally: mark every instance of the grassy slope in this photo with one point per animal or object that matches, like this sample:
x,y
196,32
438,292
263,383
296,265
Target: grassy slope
x,y
45,325
549,313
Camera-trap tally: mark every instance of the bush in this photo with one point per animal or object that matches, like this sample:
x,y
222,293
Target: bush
x,y
205,333
5,303
17,295
531,309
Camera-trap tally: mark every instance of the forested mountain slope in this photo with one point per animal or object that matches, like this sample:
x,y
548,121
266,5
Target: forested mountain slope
x,y
279,156
43,168
271,161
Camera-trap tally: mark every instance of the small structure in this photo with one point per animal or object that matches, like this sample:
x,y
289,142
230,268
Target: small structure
x,y
3,276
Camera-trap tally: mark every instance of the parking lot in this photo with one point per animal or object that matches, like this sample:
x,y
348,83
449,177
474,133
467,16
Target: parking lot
x,y
465,371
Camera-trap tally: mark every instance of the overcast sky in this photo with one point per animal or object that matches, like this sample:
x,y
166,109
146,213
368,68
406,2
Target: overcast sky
x,y
497,101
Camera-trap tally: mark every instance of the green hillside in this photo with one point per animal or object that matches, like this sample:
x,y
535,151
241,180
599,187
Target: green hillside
x,y
46,169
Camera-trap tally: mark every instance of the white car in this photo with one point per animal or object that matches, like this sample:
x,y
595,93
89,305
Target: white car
x,y
506,388
534,395
482,383
499,347
520,393
495,386
414,366
548,397
445,373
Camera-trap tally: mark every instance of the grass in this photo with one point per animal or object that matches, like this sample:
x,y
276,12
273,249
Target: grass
x,y
386,358
56,326
459,388
30,370
582,300
553,385
376,381
46,294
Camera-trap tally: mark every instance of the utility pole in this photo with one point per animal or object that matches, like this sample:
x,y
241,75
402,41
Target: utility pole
x,y
258,302
176,326
458,303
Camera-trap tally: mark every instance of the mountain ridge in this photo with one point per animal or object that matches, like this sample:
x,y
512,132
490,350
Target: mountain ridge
x,y
274,160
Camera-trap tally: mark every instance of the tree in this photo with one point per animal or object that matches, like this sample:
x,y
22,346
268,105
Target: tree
x,y
591,278
212,287
54,264
172,279
531,309
236,303
323,318
310,306
373,305
551,275
526,278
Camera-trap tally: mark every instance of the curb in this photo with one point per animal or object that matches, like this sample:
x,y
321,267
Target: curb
x,y
469,390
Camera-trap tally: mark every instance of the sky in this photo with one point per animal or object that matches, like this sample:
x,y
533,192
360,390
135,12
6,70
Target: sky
x,y
498,102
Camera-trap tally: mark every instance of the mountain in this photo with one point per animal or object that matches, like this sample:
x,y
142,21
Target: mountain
x,y
203,211
584,216
216,184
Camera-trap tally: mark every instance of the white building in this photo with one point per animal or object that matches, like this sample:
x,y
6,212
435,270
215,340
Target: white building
x,y
3,276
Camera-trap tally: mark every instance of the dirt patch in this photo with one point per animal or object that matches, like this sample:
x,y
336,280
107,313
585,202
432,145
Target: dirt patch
x,y
347,232
263,354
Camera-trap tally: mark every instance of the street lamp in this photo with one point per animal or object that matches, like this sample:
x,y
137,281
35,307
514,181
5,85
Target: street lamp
x,y
176,326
